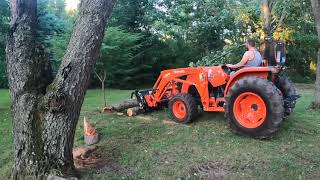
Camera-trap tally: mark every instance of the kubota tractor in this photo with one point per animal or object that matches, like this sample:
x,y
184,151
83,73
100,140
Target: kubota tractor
x,y
255,100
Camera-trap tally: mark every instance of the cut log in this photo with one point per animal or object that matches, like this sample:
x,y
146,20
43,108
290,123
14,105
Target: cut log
x,y
125,105
134,111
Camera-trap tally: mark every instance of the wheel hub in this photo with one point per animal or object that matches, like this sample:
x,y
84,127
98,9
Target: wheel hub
x,y
249,110
254,107
179,109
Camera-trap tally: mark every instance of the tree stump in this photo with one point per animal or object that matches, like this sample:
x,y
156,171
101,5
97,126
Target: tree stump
x,y
90,133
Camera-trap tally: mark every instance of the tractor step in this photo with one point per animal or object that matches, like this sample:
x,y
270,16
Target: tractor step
x,y
290,101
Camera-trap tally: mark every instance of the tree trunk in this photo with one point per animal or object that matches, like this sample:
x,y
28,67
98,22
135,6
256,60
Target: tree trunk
x,y
266,14
316,103
25,70
102,81
103,87
104,93
316,11
45,116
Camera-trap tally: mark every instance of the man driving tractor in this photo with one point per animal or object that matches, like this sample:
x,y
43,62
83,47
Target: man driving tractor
x,y
251,58
255,99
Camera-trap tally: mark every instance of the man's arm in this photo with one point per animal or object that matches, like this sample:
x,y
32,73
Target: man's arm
x,y
243,61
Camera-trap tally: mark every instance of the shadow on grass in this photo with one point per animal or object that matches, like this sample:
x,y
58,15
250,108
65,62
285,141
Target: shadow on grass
x,y
210,116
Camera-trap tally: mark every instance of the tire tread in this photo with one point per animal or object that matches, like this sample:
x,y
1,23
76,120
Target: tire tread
x,y
275,99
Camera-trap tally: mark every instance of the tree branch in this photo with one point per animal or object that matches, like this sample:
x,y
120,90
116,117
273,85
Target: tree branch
x,y
104,75
95,72
281,20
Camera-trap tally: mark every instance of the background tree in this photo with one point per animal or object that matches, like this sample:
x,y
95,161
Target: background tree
x,y
175,33
54,29
266,8
118,58
316,11
4,26
45,110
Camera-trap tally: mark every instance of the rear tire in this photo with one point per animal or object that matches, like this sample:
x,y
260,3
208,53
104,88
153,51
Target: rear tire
x,y
254,107
288,89
183,108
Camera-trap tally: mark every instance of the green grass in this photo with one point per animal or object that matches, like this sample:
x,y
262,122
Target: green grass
x,y
6,136
145,147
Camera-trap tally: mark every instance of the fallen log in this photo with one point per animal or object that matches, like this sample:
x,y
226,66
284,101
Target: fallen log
x,y
134,111
130,103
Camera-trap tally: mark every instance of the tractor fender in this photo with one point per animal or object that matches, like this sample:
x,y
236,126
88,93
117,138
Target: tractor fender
x,y
261,72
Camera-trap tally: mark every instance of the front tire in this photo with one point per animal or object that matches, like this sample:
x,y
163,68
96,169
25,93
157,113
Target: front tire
x,y
183,108
254,107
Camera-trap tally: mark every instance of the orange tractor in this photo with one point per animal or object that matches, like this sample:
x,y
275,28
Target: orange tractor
x,y
255,100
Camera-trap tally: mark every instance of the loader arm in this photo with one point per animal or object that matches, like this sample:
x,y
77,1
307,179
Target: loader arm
x,y
166,85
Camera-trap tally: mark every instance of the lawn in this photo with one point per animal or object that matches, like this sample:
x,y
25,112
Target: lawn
x,y
148,147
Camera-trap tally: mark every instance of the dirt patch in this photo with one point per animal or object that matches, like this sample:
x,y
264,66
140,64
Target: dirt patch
x,y
168,122
114,168
145,118
167,158
97,162
314,175
86,159
212,170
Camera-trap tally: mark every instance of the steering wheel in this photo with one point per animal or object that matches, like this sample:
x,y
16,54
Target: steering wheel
x,y
226,69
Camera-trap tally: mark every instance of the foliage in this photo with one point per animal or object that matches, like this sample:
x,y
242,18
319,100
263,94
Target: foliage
x,y
4,25
297,29
54,29
118,50
229,54
175,33
301,37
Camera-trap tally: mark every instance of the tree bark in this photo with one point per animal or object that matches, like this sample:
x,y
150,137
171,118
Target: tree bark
x,y
130,103
316,11
266,7
45,111
26,68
